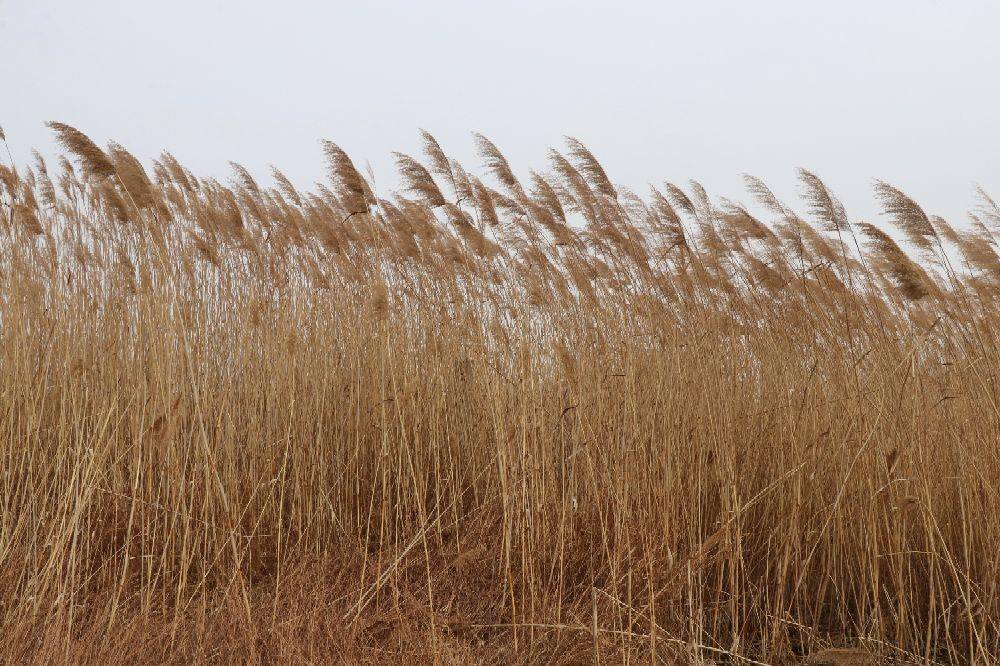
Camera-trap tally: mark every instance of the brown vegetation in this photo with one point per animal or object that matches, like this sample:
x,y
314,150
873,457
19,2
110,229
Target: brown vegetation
x,y
489,421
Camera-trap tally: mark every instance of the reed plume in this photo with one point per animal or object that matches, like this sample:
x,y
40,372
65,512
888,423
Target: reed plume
x,y
92,159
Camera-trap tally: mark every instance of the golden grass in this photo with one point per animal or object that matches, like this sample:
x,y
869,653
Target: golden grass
x,y
483,421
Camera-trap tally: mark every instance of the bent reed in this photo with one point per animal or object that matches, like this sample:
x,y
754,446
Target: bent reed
x,y
489,420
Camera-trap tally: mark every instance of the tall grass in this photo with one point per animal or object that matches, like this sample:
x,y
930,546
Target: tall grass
x,y
489,420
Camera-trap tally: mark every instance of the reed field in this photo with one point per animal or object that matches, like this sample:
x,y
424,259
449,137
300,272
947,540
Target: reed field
x,y
490,419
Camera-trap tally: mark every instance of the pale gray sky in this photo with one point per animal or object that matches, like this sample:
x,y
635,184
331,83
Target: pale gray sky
x,y
907,91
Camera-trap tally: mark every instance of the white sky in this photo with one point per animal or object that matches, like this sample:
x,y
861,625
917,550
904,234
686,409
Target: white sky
x,y
905,91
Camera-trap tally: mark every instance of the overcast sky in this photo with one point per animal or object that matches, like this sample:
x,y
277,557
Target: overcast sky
x,y
907,91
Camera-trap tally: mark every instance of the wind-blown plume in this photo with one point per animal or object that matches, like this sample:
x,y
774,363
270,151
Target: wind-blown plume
x,y
739,219
988,207
92,159
286,187
763,194
498,165
354,190
668,221
907,215
460,183
440,164
133,177
46,189
419,180
679,198
591,168
980,251
826,207
177,172
484,203
912,281
10,180
244,179
546,196
582,196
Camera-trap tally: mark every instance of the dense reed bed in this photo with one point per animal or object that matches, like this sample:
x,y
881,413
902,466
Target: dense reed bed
x,y
486,419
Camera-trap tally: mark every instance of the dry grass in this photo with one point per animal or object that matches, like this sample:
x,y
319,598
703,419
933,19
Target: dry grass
x,y
484,421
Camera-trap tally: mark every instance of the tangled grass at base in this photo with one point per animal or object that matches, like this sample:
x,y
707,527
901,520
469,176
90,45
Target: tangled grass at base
x,y
489,420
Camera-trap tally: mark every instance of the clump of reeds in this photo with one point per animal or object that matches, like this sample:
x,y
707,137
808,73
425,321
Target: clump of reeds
x,y
487,420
